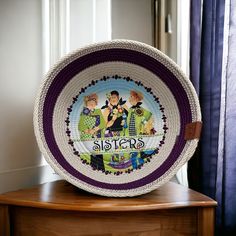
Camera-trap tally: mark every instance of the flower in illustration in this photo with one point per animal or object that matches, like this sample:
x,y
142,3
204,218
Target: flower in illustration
x,y
115,111
120,110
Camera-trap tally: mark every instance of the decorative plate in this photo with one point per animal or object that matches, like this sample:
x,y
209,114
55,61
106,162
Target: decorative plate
x,y
117,118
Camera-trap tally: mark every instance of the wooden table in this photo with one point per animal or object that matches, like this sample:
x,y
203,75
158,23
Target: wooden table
x,y
58,208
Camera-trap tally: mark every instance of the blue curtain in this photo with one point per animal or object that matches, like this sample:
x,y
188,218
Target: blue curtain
x,y
226,194
212,170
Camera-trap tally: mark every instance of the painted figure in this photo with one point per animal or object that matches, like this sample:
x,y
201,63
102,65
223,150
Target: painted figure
x,y
115,114
139,120
91,123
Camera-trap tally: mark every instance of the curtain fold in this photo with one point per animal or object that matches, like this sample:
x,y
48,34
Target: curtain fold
x,y
206,47
194,165
210,90
212,171
195,41
227,138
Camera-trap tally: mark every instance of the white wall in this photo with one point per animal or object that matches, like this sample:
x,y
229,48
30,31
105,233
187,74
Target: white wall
x,y
90,21
132,19
81,23
20,73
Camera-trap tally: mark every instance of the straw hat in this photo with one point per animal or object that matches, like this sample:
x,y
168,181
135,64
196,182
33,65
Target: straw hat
x,y
136,163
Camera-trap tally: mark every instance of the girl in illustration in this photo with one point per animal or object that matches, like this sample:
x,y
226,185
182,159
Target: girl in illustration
x,y
115,114
139,120
92,125
91,122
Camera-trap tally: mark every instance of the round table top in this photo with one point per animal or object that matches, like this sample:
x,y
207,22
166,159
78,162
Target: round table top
x,y
61,195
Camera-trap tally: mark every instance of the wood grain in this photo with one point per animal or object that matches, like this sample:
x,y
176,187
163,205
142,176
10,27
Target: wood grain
x,y
63,196
206,219
39,222
4,221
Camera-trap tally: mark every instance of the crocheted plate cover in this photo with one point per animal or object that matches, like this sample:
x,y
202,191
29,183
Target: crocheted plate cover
x,y
110,118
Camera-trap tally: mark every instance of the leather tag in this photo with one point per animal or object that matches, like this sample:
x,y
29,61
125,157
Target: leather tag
x,y
193,130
